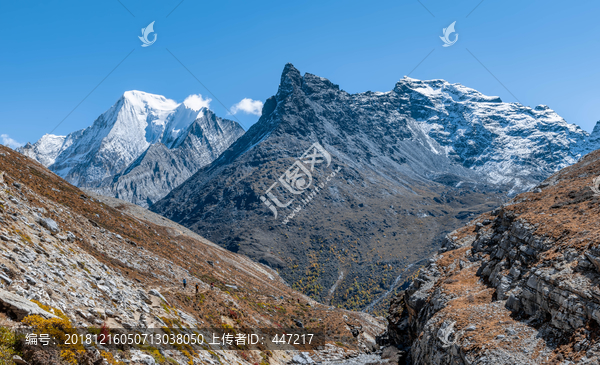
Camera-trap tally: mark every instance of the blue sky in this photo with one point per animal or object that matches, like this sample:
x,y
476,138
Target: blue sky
x,y
54,53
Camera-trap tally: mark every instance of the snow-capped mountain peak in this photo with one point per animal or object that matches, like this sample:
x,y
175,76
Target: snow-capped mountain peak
x,y
145,112
46,149
180,119
440,90
144,100
119,136
513,144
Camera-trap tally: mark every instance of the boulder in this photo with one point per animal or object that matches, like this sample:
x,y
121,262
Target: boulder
x,y
18,307
70,236
30,280
17,360
142,358
49,224
156,293
6,279
143,296
302,358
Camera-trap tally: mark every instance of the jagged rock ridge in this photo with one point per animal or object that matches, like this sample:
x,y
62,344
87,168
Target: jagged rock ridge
x,y
411,164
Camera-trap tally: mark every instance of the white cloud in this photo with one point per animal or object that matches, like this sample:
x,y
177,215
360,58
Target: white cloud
x,y
197,102
7,141
248,106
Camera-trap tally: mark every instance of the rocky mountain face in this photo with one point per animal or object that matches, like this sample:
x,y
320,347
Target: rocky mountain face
x,y
162,167
69,259
140,148
518,285
509,143
343,192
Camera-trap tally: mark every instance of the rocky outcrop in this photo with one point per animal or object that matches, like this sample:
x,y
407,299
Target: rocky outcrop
x,y
49,224
518,285
18,307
